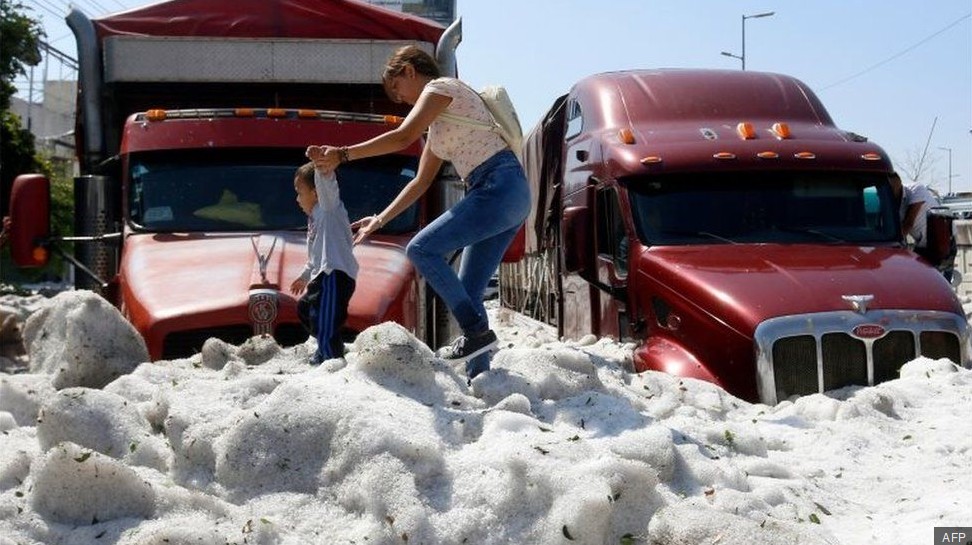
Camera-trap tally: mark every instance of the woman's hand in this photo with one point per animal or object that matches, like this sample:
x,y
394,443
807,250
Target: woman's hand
x,y
364,227
326,158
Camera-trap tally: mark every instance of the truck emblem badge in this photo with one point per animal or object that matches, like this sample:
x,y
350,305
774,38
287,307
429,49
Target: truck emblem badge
x,y
858,302
263,310
868,331
708,133
263,259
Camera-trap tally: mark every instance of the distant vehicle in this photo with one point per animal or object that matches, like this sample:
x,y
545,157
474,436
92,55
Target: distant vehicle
x,y
723,222
191,121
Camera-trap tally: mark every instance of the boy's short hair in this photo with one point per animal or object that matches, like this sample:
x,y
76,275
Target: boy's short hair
x,y
305,174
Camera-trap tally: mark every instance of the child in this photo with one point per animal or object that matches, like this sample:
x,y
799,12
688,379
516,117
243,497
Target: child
x,y
329,276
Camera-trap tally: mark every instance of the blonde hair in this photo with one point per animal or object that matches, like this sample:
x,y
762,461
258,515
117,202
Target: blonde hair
x,y
422,62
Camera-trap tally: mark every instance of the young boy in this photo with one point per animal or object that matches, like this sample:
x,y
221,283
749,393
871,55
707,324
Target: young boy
x,y
329,276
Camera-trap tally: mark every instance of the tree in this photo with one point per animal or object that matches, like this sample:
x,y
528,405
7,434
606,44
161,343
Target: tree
x,y
917,166
20,38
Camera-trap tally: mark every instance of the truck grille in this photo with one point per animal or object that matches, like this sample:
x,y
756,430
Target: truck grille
x,y
800,355
183,344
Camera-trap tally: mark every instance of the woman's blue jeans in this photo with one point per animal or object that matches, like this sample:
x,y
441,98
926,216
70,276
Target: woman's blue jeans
x,y
484,223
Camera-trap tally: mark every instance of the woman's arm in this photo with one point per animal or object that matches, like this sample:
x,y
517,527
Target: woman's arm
x,y
429,166
426,109
911,215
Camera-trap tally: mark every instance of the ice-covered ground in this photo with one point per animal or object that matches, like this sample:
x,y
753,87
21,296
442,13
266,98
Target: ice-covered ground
x,y
556,444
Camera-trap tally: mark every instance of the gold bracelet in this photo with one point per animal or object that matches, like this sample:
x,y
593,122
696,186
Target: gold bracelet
x,y
343,150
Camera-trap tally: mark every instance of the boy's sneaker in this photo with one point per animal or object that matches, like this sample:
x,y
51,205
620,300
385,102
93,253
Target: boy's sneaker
x,y
464,348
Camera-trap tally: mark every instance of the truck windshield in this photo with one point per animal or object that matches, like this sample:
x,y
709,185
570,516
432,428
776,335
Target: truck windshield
x,y
253,191
768,207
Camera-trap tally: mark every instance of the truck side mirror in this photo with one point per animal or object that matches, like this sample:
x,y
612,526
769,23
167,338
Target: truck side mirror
x,y
576,238
516,249
30,220
940,234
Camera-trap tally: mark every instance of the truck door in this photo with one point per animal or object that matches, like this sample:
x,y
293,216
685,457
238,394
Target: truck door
x,y
611,265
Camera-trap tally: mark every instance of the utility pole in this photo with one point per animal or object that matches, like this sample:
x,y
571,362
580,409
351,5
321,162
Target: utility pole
x,y
742,57
949,150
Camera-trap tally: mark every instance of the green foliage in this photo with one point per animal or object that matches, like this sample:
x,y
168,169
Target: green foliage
x,y
20,38
16,148
62,223
62,200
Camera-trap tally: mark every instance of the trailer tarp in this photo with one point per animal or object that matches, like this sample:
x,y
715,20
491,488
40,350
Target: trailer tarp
x,y
334,19
543,163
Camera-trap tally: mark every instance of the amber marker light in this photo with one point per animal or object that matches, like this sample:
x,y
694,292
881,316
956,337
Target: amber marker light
x,y
724,155
244,112
626,136
39,254
651,160
871,156
393,120
768,155
306,114
276,112
155,115
746,131
805,155
781,130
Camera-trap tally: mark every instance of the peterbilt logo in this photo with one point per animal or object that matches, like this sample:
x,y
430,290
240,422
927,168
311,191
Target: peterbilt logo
x,y
868,331
263,310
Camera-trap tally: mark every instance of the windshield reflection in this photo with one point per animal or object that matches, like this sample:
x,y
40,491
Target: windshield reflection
x,y
253,191
774,207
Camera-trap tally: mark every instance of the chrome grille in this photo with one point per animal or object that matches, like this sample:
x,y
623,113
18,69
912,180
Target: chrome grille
x,y
795,363
845,361
890,353
804,354
939,344
183,344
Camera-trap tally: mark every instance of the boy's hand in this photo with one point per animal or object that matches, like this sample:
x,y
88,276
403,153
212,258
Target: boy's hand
x,y
297,287
325,158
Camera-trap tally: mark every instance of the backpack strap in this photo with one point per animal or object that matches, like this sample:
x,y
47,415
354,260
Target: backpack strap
x,y
470,122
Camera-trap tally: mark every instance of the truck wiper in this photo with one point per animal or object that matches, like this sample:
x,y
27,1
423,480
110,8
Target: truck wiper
x,y
697,234
809,231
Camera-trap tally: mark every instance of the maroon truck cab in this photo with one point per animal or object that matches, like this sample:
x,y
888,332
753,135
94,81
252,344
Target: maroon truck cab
x,y
723,221
213,233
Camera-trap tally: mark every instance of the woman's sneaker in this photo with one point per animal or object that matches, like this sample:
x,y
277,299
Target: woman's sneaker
x,y
464,348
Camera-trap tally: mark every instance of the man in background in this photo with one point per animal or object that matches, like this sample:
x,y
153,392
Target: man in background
x,y
916,204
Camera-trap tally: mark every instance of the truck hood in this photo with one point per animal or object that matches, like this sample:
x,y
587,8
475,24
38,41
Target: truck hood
x,y
185,277
744,285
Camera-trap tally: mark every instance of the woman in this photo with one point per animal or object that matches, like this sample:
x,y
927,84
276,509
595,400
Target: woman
x,y
483,223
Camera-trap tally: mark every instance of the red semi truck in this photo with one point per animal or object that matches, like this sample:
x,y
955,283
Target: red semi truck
x,y
722,221
192,118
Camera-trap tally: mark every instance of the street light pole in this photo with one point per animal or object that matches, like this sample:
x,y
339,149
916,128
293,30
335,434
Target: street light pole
x,y
742,57
949,150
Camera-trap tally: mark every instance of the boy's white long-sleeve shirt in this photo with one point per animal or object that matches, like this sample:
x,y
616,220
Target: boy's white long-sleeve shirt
x,y
329,238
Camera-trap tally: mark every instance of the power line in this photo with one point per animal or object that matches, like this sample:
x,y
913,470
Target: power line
x,y
896,55
47,7
101,8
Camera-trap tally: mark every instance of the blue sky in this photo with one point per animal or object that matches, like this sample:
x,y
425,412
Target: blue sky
x,y
889,70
